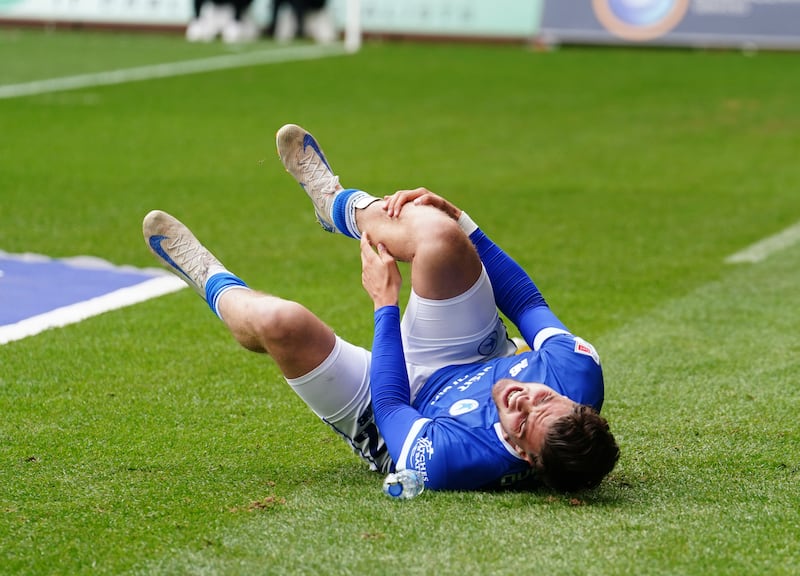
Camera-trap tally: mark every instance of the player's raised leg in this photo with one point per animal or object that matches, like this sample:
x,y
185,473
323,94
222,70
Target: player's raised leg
x,y
444,263
451,315
296,339
304,159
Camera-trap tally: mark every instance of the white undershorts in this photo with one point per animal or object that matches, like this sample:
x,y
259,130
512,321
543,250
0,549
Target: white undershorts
x,y
436,333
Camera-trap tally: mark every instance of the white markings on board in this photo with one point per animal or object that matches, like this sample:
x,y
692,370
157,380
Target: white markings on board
x,y
762,249
169,70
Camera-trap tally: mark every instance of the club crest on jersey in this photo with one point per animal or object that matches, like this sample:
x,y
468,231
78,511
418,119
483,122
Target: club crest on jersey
x,y
463,406
583,347
488,345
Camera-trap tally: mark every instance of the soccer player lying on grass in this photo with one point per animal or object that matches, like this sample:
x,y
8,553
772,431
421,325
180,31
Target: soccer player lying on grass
x,y
442,391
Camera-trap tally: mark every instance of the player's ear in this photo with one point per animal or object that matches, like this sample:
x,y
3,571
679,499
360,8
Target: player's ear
x,y
529,458
534,461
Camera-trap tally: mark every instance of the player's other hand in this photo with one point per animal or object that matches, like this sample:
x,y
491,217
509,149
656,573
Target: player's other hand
x,y
380,275
420,197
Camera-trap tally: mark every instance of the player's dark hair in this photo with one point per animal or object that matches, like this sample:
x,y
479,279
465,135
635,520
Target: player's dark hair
x,y
579,451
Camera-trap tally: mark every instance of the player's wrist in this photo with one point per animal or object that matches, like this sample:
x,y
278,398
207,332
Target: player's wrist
x,y
466,223
383,300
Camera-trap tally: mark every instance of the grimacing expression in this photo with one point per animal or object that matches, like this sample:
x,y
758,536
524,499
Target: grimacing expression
x,y
527,411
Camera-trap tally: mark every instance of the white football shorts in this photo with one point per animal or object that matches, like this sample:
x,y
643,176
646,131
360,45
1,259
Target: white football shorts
x,y
436,333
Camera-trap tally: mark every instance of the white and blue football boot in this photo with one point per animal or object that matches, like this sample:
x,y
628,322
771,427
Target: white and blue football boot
x,y
303,158
178,249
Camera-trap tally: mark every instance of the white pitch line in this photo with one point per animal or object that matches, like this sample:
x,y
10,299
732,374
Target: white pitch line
x,y
762,249
169,69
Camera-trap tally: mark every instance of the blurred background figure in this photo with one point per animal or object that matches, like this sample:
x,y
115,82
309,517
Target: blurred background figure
x,y
228,19
292,19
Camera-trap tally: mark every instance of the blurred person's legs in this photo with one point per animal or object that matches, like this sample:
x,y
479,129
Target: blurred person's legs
x,y
241,28
229,20
292,19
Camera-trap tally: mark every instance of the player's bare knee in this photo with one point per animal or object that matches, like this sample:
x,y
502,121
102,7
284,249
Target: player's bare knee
x,y
432,224
439,232
279,322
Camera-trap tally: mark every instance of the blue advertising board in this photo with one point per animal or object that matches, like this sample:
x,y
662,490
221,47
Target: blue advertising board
x,y
699,23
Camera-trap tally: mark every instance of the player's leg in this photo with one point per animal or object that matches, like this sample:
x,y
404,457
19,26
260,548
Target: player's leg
x,y
451,316
297,340
329,374
443,261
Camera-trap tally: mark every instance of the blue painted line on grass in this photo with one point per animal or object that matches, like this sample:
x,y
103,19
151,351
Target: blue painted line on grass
x,y
37,293
31,288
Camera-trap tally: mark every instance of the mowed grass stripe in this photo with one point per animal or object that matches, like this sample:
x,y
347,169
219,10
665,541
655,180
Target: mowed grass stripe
x,y
716,371
170,69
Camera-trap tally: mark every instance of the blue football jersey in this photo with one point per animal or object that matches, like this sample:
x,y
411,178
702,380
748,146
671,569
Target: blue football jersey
x,y
451,432
458,443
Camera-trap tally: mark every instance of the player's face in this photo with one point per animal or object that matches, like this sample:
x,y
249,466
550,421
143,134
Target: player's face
x,y
527,411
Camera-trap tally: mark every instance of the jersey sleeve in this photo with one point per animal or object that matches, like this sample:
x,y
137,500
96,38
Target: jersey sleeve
x,y
391,397
515,293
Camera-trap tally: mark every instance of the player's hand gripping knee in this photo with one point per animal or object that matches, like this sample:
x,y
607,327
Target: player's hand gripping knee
x,y
380,275
419,197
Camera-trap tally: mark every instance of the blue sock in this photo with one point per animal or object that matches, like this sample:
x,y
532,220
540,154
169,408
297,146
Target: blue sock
x,y
217,285
344,208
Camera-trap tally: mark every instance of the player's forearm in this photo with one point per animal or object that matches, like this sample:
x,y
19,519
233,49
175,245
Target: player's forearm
x,y
515,293
513,289
391,398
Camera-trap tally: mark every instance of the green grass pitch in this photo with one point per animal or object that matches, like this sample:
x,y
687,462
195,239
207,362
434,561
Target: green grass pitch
x,y
144,441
